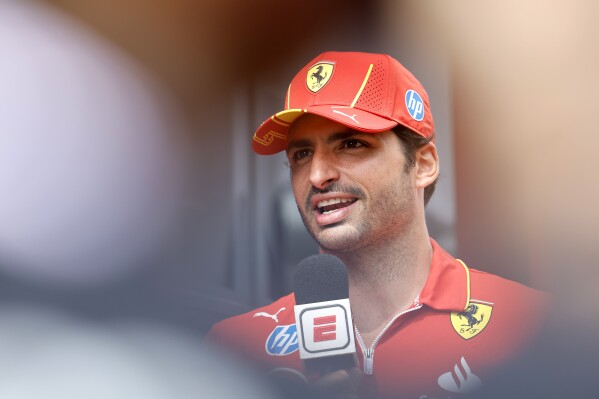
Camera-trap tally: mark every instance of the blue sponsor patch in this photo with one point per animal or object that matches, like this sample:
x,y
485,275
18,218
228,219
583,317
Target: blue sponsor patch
x,y
282,341
415,105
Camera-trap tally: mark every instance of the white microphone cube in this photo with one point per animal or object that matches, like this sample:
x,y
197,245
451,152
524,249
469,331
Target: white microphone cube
x,y
325,329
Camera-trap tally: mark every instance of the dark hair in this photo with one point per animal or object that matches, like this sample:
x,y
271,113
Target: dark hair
x,y
412,141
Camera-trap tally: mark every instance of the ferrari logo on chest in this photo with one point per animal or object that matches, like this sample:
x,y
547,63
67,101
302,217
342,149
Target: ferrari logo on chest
x,y
318,76
470,322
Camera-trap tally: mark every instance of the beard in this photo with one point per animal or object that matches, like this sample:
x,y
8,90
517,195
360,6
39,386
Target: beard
x,y
373,221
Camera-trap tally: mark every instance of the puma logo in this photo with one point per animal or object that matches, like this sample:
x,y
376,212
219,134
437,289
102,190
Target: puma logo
x,y
352,117
272,316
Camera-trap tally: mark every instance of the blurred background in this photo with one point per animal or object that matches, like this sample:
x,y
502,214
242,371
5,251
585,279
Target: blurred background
x,y
130,195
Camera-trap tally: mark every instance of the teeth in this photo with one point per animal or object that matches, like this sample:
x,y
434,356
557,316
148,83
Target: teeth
x,y
333,201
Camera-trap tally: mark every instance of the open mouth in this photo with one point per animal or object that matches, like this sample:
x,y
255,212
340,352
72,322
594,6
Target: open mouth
x,y
331,205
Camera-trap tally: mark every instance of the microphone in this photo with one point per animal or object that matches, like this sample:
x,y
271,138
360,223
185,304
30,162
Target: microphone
x,y
323,314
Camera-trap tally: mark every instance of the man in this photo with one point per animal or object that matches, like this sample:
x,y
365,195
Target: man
x,y
358,132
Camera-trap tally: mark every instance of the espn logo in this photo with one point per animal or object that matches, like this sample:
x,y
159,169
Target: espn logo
x,y
324,329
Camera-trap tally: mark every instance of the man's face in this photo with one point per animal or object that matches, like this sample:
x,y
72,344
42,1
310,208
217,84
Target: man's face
x,y
351,188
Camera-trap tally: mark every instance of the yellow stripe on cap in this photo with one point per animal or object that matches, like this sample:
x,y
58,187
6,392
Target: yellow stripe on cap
x,y
363,85
287,117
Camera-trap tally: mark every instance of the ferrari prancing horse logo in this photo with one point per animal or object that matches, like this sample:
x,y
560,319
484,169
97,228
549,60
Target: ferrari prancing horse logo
x,y
470,322
318,76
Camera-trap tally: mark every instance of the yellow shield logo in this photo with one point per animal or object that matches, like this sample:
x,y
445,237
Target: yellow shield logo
x,y
318,76
470,322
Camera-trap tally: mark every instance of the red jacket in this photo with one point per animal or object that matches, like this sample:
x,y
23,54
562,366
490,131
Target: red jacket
x,y
463,325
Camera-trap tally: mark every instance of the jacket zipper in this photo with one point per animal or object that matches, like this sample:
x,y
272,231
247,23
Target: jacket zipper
x,y
369,352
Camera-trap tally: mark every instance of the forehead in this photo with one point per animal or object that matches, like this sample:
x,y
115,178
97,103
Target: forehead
x,y
314,125
309,129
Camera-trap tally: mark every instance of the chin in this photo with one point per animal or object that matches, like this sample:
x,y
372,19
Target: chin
x,y
339,237
336,241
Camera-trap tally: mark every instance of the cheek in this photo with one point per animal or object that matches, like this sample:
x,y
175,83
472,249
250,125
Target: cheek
x,y
392,169
299,188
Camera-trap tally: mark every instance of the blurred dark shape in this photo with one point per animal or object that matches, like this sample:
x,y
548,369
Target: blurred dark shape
x,y
216,44
562,363
47,353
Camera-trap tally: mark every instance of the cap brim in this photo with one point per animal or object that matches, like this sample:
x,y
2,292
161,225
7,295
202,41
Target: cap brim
x,y
271,136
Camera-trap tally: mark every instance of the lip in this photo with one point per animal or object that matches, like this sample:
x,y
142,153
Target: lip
x,y
328,196
333,217
336,215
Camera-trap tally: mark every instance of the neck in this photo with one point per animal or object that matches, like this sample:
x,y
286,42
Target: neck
x,y
385,279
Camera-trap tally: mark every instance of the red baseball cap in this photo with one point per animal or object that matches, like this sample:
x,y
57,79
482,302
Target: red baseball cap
x,y
370,93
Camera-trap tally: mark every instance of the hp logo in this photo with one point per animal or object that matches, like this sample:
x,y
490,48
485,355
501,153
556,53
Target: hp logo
x,y
415,105
282,341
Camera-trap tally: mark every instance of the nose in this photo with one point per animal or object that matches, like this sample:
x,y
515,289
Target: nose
x,y
323,170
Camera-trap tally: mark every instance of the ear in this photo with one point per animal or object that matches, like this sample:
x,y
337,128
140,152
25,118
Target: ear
x,y
427,165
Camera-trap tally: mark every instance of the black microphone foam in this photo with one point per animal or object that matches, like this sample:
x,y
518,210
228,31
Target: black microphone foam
x,y
320,278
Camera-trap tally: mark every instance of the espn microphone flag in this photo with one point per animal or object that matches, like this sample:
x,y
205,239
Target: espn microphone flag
x,y
323,315
325,329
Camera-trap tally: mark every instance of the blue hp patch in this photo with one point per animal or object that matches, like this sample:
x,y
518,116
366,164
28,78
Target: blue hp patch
x,y
282,341
415,105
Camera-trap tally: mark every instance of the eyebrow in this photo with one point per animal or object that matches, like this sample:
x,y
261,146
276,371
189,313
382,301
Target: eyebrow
x,y
330,139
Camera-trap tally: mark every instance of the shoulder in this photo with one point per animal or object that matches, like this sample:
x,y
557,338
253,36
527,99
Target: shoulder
x,y
489,286
518,312
249,332
278,312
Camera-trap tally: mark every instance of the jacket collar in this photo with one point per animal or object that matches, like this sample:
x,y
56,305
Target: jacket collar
x,y
448,284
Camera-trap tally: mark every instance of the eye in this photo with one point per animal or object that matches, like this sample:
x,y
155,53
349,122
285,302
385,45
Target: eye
x,y
353,143
301,154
